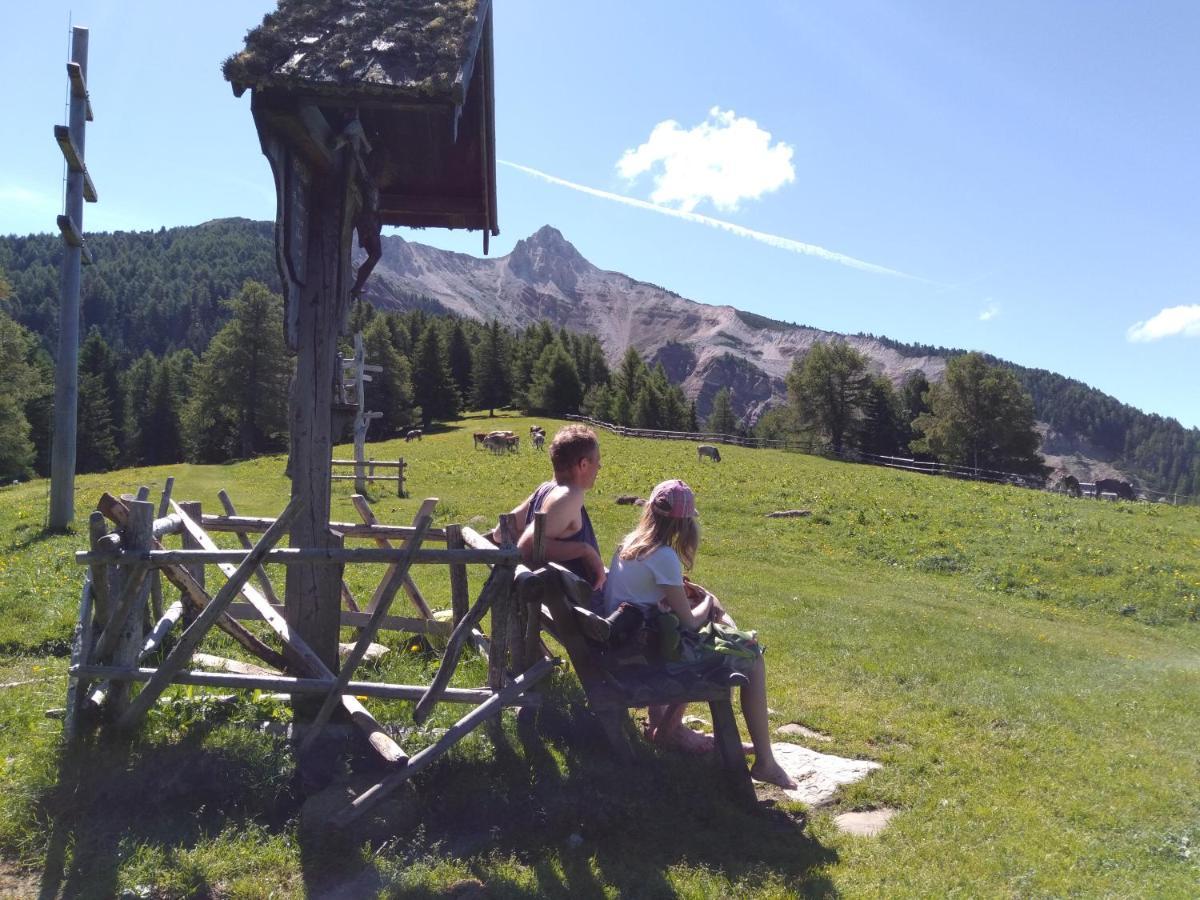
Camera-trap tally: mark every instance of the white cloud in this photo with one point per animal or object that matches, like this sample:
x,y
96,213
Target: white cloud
x,y
772,240
1173,320
724,159
989,313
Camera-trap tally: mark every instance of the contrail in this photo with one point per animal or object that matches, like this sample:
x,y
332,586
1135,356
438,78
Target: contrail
x,y
772,240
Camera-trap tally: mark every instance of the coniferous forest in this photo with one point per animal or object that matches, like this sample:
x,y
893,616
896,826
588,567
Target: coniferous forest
x,y
176,320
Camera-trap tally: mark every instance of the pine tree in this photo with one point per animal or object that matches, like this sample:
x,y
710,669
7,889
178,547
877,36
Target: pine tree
x,y
882,429
390,391
693,422
555,388
489,373
98,430
239,388
458,349
721,419
22,382
433,387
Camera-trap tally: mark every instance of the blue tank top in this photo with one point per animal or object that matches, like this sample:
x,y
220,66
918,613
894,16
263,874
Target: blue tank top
x,y
585,532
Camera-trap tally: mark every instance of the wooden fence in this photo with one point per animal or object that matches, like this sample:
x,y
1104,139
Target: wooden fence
x,y
927,467
365,471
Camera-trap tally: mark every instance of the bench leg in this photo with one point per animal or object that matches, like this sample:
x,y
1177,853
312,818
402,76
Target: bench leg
x,y
729,745
613,722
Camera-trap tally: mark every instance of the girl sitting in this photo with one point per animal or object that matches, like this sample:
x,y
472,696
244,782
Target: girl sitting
x,y
647,572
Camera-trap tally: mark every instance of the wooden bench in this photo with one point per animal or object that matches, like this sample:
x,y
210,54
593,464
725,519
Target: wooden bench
x,y
613,684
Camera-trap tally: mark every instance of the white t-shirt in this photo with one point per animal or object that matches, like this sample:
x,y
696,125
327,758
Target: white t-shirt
x,y
641,581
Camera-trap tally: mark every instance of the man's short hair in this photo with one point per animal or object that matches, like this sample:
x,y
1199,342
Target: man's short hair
x,y
570,445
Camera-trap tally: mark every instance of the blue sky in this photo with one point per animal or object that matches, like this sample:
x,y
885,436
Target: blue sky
x,y
1020,178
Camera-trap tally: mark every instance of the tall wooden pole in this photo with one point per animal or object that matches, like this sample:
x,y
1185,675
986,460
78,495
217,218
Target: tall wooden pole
x,y
66,370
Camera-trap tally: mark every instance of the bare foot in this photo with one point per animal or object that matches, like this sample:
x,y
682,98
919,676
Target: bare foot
x,y
773,773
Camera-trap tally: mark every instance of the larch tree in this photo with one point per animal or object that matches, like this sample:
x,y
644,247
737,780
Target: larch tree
x,y
827,389
980,417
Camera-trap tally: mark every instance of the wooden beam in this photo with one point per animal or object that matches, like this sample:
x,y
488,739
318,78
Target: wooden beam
x,y
79,87
421,523
295,556
464,726
74,238
497,582
347,529
351,619
286,684
191,638
368,517
388,749
74,159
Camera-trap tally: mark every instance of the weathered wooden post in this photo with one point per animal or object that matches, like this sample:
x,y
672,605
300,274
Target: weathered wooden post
x,y
362,418
383,117
66,369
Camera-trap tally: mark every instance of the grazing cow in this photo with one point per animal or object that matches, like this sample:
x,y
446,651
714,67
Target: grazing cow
x,y
708,450
536,429
1070,486
496,443
479,437
513,442
1122,489
630,500
539,440
413,435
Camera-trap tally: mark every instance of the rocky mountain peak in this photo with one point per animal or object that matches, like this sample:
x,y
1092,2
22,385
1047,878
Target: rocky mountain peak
x,y
547,256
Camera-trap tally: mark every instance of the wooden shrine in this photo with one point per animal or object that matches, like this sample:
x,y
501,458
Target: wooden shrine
x,y
370,114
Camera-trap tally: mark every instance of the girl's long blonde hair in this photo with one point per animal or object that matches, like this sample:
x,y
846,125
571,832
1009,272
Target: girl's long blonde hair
x,y
656,528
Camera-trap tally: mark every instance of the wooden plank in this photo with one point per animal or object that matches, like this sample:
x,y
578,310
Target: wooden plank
x,y
79,88
274,620
350,619
388,749
97,530
126,624
286,684
460,599
73,237
295,556
498,581
368,517
191,638
347,529
131,590
191,587
260,573
475,540
161,629
502,611
421,522
464,726
81,643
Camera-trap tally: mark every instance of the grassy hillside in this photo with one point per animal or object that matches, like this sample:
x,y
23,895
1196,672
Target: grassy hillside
x,y
1022,664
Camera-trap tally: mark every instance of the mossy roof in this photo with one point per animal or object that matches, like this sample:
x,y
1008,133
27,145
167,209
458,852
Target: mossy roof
x,y
387,49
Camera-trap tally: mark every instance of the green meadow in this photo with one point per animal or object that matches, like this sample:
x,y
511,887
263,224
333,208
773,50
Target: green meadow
x,y
1025,667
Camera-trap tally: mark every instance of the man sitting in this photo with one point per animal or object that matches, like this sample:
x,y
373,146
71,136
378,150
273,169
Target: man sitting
x,y
569,538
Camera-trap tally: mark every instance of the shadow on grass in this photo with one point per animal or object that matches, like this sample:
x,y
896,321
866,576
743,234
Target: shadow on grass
x,y
26,536
530,806
555,802
114,796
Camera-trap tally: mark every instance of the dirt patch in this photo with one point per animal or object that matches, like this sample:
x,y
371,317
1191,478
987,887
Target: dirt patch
x,y
16,882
